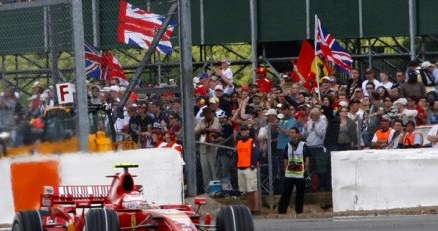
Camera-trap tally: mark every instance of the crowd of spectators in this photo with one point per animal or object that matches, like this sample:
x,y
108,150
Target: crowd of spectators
x,y
371,110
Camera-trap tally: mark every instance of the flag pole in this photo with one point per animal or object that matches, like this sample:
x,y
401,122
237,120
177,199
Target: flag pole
x,y
316,63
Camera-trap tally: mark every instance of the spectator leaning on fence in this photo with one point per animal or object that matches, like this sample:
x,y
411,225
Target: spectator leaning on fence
x,y
205,130
315,133
225,156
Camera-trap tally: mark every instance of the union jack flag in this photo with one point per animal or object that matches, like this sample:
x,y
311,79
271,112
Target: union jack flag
x,y
139,27
330,49
95,63
102,65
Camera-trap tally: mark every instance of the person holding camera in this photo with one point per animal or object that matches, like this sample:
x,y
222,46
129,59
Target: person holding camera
x,y
296,162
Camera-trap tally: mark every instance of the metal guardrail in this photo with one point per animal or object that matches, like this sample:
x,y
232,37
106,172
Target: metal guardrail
x,y
216,145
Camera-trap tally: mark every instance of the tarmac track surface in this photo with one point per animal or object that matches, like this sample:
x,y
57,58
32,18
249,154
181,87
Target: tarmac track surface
x,y
396,223
380,223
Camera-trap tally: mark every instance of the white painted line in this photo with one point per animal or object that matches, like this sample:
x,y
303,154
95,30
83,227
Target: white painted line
x,y
368,218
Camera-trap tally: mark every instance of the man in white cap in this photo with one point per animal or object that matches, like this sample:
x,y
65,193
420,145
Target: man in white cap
x,y
405,114
225,73
431,72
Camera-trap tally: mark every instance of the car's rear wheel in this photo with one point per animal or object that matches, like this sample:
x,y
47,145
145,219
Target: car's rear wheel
x,y
234,218
102,220
30,220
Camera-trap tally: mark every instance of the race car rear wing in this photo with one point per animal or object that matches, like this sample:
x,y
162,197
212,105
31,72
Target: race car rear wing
x,y
81,196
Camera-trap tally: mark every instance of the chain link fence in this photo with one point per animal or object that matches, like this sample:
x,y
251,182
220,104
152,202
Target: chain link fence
x,y
36,45
271,172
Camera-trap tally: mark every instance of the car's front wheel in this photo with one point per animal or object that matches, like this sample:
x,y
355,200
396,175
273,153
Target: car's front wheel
x,y
102,220
29,220
234,218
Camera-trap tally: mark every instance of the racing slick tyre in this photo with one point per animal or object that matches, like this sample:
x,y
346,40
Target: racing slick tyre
x,y
29,220
102,220
234,218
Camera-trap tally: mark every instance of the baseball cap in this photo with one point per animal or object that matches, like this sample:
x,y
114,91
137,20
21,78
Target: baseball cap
x,y
327,78
203,75
386,117
227,61
114,88
261,70
299,115
219,87
213,100
343,104
271,112
402,101
426,64
280,116
221,114
395,85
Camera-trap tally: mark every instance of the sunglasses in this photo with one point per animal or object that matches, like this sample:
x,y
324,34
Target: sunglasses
x,y
358,91
370,88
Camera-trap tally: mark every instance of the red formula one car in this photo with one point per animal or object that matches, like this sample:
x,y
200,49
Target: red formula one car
x,y
121,206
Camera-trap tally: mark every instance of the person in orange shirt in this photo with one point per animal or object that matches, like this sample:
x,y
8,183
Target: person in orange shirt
x,y
412,139
384,135
247,168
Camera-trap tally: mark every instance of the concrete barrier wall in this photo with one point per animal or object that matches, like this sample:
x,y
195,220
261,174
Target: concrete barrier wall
x,y
160,173
384,179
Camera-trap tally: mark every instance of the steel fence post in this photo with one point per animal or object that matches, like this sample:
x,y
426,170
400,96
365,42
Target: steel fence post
x,y
271,183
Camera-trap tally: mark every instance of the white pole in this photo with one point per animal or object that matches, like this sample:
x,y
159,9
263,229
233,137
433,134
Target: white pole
x,y
316,63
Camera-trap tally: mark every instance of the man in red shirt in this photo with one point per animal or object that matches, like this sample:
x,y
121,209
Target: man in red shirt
x,y
202,88
263,82
421,117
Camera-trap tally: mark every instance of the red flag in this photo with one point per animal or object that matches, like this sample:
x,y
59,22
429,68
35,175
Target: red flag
x,y
307,65
114,69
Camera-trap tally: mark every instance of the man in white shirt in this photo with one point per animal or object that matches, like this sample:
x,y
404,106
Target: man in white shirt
x,y
405,114
432,136
225,73
370,76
